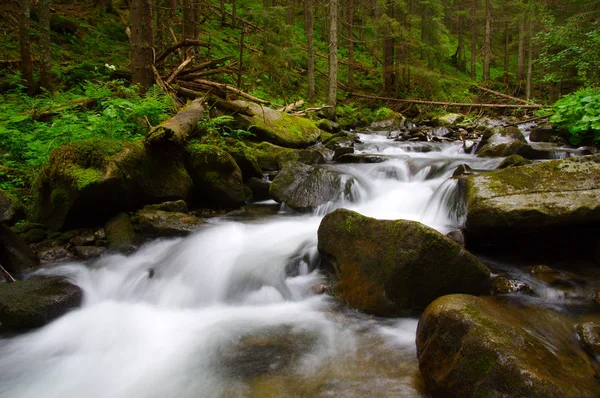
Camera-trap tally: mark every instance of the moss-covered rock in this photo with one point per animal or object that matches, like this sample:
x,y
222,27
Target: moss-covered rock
x,y
448,119
217,177
277,127
88,181
501,141
164,223
390,268
536,196
513,161
15,255
120,233
245,157
272,157
480,347
35,302
11,208
304,187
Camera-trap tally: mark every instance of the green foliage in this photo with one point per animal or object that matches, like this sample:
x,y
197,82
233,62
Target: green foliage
x,y
580,114
221,126
92,110
383,114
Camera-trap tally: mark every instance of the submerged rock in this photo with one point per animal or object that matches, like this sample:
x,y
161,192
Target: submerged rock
x,y
513,161
388,268
304,187
479,347
589,337
505,285
120,233
35,302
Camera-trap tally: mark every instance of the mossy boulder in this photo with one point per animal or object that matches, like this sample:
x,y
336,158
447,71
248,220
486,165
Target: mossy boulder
x,y
513,161
15,255
164,223
245,157
500,141
536,196
120,233
481,347
303,187
277,127
11,208
35,302
272,157
448,119
88,181
217,177
390,268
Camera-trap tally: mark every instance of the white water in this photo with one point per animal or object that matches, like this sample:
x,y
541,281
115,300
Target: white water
x,y
195,328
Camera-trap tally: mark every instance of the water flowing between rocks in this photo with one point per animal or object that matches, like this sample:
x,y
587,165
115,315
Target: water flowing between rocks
x,y
231,311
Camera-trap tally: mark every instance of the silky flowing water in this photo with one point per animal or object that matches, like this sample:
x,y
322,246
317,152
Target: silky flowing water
x,y
230,311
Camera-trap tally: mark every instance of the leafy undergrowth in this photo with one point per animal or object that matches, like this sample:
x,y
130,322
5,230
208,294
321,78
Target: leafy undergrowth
x,y
579,112
31,127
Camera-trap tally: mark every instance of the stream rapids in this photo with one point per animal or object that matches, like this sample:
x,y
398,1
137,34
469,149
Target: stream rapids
x,y
231,311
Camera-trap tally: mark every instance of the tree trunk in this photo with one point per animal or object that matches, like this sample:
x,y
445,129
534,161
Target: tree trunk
x,y
529,60
487,50
106,5
188,20
333,63
521,57
310,35
506,42
142,53
473,39
241,67
350,45
45,46
26,65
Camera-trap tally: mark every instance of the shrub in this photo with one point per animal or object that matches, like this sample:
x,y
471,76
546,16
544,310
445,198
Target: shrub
x,y
579,113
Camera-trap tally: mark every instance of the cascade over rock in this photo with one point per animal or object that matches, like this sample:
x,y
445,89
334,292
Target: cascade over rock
x,y
277,127
501,141
480,347
388,268
304,187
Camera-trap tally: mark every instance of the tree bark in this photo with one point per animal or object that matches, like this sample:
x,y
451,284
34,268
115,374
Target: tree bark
x,y
487,50
310,37
521,56
26,65
529,59
142,53
188,23
174,132
45,45
350,45
333,63
473,39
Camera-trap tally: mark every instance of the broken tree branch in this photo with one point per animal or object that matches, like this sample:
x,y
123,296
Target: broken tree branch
x,y
178,70
499,94
206,65
181,44
227,87
223,69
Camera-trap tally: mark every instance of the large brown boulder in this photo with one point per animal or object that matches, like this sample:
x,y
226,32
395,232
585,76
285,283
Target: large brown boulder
x,y
390,268
481,347
15,255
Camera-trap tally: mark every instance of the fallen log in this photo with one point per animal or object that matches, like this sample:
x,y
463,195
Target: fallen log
x,y
206,65
499,94
224,69
292,107
175,46
533,119
178,70
227,87
443,103
173,133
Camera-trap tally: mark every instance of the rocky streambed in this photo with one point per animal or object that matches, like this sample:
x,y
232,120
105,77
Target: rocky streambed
x,y
467,229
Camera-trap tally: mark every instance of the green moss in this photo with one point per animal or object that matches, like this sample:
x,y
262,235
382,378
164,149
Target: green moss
x,y
59,197
86,177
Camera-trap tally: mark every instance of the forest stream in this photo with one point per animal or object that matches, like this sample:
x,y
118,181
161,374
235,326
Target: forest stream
x,y
234,309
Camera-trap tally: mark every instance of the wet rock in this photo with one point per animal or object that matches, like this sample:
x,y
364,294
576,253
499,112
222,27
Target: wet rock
x,y
543,133
272,157
543,197
277,127
163,223
11,208
500,142
397,121
216,176
589,337
120,234
259,188
462,170
449,119
83,239
362,158
389,268
54,255
245,157
586,150
34,235
505,285
325,125
35,302
304,187
88,252
554,278
319,288
513,161
15,255
457,236
342,151
180,206
480,347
